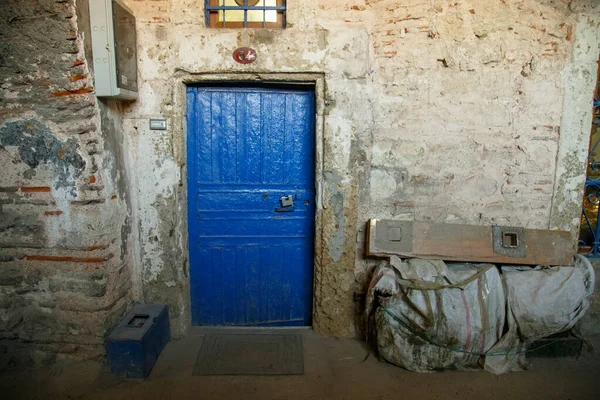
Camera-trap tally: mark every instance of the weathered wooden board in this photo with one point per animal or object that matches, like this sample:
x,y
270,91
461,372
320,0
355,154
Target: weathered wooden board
x,y
471,243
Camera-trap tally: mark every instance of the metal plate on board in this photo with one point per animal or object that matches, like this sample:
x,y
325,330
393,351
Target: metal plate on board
x,y
509,241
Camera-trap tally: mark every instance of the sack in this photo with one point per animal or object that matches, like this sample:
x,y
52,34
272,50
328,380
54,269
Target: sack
x,y
428,315
548,300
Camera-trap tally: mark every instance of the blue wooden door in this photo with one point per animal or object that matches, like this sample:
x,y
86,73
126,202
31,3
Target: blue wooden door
x,y
251,258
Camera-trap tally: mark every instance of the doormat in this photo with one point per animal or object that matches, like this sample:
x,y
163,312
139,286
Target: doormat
x,y
250,354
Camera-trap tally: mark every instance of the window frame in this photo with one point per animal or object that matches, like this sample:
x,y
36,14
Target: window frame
x,y
212,11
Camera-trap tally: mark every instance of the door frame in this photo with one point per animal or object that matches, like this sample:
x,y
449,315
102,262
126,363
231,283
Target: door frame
x,y
180,133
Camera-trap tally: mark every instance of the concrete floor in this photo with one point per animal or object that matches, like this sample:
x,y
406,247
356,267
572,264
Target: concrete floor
x,y
334,369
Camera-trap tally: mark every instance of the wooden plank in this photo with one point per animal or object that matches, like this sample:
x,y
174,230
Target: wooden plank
x,y
469,243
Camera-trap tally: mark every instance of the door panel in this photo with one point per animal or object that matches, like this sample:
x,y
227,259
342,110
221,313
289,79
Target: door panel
x,y
250,264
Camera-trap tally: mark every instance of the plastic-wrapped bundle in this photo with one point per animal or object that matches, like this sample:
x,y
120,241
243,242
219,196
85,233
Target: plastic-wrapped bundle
x,y
432,316
548,300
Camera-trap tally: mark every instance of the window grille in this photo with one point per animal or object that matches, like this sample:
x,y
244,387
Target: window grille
x,y
245,13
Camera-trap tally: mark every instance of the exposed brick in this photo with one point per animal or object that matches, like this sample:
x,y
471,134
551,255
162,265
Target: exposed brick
x,y
79,77
35,189
49,213
73,92
98,247
67,259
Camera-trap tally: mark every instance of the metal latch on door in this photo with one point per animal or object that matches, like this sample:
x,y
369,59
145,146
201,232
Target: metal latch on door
x,y
287,204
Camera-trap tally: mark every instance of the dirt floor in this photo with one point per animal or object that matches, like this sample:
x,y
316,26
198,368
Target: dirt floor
x,y
334,369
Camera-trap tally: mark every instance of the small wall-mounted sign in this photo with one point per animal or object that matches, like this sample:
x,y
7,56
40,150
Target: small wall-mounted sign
x,y
158,124
244,55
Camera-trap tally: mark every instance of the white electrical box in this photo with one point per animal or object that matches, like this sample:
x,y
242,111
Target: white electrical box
x,y
114,49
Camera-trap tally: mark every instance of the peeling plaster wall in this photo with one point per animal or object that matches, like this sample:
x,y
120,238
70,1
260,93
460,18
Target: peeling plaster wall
x,y
470,112
64,234
579,78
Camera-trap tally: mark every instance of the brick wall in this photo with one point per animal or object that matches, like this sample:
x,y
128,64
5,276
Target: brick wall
x,y
64,273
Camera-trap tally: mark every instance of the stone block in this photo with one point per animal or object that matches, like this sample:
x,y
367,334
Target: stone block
x,y
20,226
10,319
90,284
41,325
11,276
14,355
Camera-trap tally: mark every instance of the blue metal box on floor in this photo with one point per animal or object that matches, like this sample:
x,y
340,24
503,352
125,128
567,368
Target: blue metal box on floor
x,y
134,345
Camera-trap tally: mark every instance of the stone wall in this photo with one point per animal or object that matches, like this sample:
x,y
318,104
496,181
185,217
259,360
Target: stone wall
x,y
64,255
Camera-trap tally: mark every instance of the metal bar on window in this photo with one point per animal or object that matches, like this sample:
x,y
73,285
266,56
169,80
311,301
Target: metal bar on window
x,y
284,20
258,8
222,9
207,13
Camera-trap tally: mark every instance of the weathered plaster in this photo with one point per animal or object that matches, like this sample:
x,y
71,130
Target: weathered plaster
x,y
431,111
333,51
37,145
579,80
471,112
